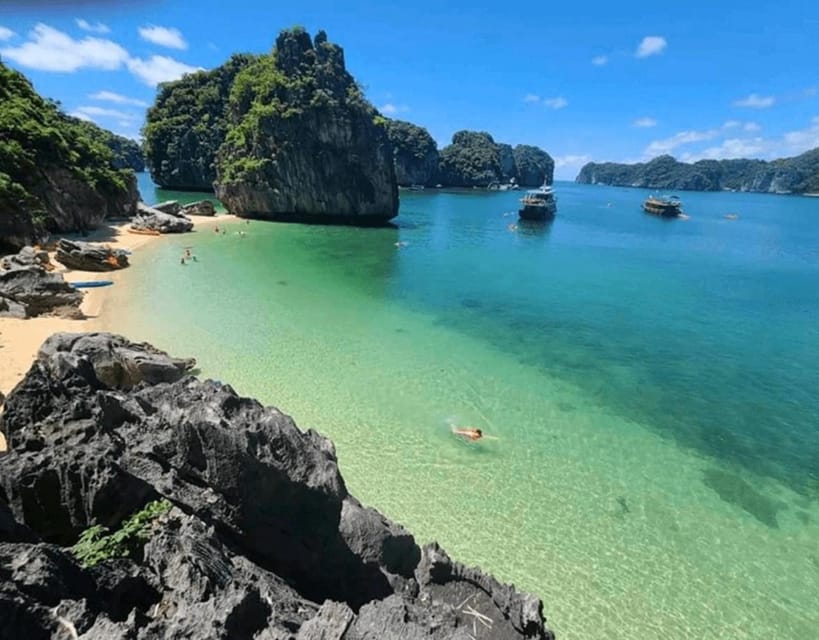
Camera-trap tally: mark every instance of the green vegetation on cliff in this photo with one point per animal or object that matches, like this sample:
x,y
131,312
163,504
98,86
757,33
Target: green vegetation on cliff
x,y
126,153
534,166
799,174
301,139
51,165
415,152
472,160
186,125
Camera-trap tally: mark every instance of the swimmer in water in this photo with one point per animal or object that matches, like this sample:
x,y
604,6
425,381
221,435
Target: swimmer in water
x,y
469,433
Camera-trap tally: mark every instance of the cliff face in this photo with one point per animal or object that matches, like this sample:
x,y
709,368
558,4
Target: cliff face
x,y
56,173
534,166
474,159
247,528
187,124
799,174
415,153
303,143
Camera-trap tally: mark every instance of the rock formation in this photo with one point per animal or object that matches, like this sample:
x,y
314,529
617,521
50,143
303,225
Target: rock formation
x,y
260,538
199,208
534,166
28,291
799,174
171,206
85,256
56,173
148,218
186,125
415,153
302,141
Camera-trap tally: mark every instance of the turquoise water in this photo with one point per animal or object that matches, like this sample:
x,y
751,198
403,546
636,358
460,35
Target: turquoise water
x,y
651,385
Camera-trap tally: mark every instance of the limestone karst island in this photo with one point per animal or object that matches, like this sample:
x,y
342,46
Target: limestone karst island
x,y
403,324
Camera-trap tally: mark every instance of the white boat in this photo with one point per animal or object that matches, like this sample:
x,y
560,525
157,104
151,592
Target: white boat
x,y
539,204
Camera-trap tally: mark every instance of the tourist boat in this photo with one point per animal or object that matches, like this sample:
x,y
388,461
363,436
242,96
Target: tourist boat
x,y
665,206
539,204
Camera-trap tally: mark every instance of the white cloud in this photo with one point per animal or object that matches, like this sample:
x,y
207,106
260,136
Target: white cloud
x,y
392,109
809,92
556,103
751,127
803,139
645,123
159,69
732,148
731,124
100,112
110,96
651,46
81,116
6,33
531,97
576,160
599,61
93,28
51,50
163,36
755,101
667,145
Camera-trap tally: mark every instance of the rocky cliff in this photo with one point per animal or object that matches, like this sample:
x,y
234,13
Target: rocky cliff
x,y
799,174
474,159
139,502
415,153
56,173
186,125
303,143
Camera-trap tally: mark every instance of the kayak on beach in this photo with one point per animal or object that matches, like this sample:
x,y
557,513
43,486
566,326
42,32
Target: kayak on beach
x,y
144,232
91,283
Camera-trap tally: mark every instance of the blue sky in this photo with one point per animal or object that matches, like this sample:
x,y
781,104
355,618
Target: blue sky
x,y
599,81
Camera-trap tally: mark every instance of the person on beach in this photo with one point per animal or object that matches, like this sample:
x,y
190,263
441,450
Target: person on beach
x,y
470,433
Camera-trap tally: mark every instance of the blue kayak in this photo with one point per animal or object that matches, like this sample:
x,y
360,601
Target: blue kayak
x,y
91,283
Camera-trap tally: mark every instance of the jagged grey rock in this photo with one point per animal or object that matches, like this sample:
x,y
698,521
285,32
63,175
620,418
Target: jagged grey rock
x,y
31,291
263,541
155,220
199,208
171,207
85,256
26,257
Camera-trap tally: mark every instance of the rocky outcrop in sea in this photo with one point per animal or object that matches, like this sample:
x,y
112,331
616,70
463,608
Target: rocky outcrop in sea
x,y
151,219
245,528
86,256
415,154
799,174
303,143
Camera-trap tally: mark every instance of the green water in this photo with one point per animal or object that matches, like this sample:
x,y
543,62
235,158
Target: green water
x,y
651,385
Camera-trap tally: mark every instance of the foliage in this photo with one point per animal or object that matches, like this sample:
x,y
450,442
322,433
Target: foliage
x,y
37,136
300,81
409,139
186,125
97,544
534,166
473,159
799,174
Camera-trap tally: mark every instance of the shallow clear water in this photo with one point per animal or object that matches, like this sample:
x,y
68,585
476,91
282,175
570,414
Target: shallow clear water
x,y
651,384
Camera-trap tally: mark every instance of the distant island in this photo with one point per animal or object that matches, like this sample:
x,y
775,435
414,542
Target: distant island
x,y
290,135
799,174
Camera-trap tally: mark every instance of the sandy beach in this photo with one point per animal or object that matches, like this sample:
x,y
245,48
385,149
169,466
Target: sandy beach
x,y
20,339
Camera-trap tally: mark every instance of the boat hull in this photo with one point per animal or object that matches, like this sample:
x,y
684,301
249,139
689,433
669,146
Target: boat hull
x,y
662,211
538,213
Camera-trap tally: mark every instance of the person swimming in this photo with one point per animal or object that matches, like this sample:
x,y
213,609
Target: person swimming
x,y
471,433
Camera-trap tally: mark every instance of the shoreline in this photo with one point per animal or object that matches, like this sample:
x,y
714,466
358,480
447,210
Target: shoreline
x,y
20,339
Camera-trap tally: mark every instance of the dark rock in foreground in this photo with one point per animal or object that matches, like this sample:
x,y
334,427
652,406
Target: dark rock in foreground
x,y
85,256
148,218
29,291
26,257
262,540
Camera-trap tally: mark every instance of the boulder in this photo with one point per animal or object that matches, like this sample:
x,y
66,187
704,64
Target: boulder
x,y
199,208
171,206
148,218
26,292
85,256
26,257
262,539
